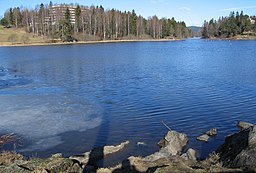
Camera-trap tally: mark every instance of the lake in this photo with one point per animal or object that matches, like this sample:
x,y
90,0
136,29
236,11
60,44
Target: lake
x,y
71,98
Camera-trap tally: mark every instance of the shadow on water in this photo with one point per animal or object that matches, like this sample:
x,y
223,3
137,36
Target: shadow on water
x,y
97,154
96,157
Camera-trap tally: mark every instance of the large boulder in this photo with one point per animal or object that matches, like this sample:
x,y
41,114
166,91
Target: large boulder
x,y
175,142
171,145
244,125
239,150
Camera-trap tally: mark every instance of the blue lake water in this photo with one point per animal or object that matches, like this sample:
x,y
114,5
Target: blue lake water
x,y
72,98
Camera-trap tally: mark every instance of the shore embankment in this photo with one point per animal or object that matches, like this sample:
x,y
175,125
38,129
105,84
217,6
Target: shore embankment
x,y
237,154
85,42
238,37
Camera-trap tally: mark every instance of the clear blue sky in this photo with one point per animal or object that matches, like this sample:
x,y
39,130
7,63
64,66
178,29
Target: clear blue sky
x,y
193,12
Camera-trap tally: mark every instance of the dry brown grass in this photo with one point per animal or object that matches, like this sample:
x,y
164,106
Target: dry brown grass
x,y
20,36
8,138
8,157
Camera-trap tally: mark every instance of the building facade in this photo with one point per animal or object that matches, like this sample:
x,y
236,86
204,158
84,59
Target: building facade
x,y
57,12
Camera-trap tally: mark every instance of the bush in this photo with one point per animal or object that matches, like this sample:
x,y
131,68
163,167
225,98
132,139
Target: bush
x,y
4,22
86,37
13,38
25,39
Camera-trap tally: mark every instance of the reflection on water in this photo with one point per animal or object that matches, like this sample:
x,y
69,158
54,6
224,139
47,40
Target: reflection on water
x,y
71,98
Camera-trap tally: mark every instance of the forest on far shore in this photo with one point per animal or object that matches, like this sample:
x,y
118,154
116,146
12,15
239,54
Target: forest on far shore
x,y
230,26
70,22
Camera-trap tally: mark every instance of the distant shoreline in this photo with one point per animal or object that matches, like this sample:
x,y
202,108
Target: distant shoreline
x,y
238,37
87,42
115,41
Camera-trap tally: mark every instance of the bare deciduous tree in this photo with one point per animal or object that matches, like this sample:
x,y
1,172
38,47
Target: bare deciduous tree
x,y
94,22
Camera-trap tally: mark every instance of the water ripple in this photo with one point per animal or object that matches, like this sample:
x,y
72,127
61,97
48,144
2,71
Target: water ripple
x,y
92,95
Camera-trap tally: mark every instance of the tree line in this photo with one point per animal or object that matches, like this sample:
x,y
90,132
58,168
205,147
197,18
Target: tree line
x,y
92,23
235,24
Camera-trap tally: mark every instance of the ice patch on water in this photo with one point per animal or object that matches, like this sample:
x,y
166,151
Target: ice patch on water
x,y
43,144
9,78
41,119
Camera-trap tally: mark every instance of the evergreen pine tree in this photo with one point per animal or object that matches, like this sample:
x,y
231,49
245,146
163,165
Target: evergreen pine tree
x,y
11,17
66,27
78,21
133,23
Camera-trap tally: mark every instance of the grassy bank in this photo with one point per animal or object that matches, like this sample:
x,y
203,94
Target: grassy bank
x,y
18,36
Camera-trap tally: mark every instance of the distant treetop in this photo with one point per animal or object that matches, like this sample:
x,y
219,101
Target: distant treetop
x,y
67,21
235,24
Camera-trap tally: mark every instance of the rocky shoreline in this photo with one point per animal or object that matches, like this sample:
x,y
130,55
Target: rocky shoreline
x,y
237,154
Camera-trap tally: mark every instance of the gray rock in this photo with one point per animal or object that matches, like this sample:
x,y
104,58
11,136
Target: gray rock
x,y
246,159
206,136
252,137
239,150
98,153
203,138
57,155
244,125
171,145
113,149
55,165
191,154
157,155
211,132
175,142
82,159
184,156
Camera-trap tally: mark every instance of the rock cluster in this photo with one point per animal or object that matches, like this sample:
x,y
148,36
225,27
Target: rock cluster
x,y
98,153
206,136
237,154
172,144
239,149
15,163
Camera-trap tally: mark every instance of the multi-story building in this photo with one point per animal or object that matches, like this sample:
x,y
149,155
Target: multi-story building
x,y
57,12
